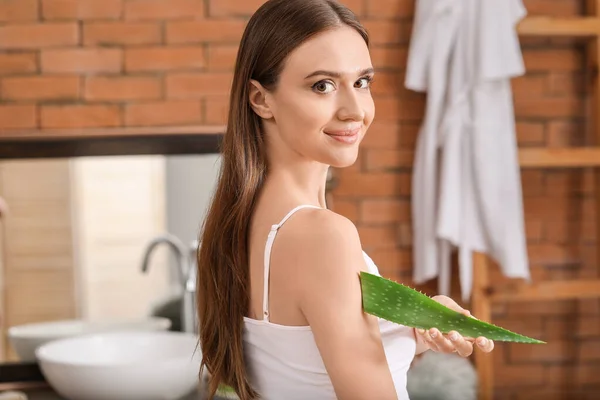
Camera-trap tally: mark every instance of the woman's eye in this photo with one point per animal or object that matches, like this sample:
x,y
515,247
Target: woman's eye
x,y
324,87
363,83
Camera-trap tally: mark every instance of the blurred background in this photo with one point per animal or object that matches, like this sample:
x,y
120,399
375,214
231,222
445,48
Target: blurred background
x,y
74,238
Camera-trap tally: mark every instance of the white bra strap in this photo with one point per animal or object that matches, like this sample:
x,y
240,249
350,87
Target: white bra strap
x,y
267,256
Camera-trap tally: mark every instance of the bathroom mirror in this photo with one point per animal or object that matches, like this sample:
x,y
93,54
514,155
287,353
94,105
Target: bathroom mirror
x,y
74,238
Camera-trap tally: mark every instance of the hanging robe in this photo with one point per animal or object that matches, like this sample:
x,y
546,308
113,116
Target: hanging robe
x,y
466,178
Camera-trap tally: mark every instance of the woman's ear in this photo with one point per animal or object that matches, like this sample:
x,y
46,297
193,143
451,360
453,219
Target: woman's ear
x,y
258,100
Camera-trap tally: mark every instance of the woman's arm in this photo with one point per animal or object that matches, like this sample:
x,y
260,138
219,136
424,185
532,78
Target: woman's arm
x,y
330,255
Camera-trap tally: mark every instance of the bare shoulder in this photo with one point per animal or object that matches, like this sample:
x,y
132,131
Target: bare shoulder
x,y
321,235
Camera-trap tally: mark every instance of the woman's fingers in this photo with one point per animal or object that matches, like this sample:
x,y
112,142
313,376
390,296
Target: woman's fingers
x,y
486,345
463,347
427,338
444,345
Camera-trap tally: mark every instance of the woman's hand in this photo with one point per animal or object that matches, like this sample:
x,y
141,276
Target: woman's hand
x,y
433,339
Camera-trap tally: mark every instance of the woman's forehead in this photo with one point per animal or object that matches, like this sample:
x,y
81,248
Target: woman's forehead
x,y
342,50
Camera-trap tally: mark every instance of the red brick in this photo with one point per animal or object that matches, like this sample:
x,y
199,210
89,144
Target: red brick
x,y
386,83
564,84
384,210
388,32
554,8
356,6
589,350
17,63
554,351
519,375
559,207
549,107
569,181
163,113
216,109
531,326
382,135
391,108
164,58
389,57
390,8
584,374
378,237
532,181
560,390
163,9
222,57
190,86
17,117
221,31
540,308
387,160
374,184
121,33
530,133
552,254
122,88
392,259
534,229
26,36
553,59
530,85
565,134
347,208
82,60
229,8
405,235
572,327
80,116
571,231
18,10
41,88
409,134
82,9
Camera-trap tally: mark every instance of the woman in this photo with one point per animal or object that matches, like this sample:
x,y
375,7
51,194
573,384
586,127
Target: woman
x,y
282,319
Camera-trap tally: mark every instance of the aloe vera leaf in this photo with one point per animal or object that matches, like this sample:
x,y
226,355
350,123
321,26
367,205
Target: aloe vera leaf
x,y
226,391
403,305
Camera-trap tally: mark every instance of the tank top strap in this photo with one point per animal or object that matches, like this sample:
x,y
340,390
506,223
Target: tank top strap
x,y
267,256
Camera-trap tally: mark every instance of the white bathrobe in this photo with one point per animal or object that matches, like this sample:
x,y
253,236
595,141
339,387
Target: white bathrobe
x,y
466,178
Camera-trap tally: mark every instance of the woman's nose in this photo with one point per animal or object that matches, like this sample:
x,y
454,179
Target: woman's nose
x,y
350,107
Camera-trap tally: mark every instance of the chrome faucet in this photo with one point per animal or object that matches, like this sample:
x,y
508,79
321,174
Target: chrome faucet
x,y
186,273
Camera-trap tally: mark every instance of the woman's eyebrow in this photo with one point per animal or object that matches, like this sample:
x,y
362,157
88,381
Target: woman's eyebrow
x,y
337,74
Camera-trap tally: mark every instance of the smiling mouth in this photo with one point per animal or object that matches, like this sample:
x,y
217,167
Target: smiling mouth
x,y
346,136
347,132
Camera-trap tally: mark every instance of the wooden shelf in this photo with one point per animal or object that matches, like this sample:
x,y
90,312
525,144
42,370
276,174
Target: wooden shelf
x,y
129,132
534,157
111,141
549,290
547,26
576,157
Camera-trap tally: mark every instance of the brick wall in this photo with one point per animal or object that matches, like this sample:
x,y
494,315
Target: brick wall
x,y
107,63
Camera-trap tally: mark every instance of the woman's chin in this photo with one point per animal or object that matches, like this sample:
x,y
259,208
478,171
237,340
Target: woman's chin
x,y
343,160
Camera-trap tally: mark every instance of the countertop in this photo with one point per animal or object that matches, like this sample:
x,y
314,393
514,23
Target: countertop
x,y
49,394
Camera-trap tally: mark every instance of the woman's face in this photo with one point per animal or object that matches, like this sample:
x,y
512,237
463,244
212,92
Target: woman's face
x,y
322,106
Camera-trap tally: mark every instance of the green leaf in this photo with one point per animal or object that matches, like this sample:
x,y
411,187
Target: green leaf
x,y
403,305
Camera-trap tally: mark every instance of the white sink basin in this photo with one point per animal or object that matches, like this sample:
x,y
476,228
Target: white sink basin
x,y
26,338
123,366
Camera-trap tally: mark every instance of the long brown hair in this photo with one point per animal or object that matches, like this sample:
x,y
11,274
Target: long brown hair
x,y
223,289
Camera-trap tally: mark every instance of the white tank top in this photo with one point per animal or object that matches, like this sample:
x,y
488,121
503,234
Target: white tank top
x,y
284,362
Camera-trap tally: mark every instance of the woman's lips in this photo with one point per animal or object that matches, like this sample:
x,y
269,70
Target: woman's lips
x,y
345,136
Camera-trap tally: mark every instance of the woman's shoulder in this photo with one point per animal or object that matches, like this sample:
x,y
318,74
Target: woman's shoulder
x,y
321,227
322,239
